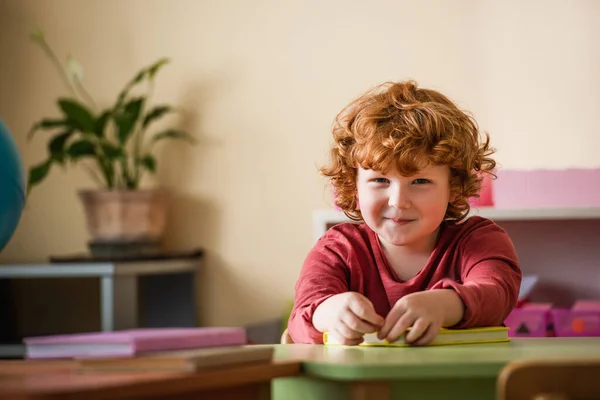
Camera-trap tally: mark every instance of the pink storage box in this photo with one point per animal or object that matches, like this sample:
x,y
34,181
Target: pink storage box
x,y
593,305
486,195
528,322
547,188
572,322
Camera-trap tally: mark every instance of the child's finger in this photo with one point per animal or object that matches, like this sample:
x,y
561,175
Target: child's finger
x,y
419,328
353,322
405,321
346,341
393,316
347,331
428,336
365,311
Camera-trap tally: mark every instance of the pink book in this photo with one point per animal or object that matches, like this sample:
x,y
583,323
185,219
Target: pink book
x,y
130,342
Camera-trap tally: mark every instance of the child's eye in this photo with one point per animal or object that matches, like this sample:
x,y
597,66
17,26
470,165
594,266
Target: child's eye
x,y
380,180
421,181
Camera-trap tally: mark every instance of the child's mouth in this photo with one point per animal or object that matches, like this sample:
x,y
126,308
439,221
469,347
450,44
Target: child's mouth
x,y
401,221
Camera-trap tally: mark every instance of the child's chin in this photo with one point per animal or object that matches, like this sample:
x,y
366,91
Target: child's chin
x,y
395,241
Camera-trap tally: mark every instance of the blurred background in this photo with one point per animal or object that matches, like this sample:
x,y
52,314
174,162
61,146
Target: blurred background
x,y
259,83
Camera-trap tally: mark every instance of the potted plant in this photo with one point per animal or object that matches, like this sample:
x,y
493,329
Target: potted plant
x,y
116,146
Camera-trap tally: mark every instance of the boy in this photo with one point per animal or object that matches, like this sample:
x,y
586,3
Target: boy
x,y
404,162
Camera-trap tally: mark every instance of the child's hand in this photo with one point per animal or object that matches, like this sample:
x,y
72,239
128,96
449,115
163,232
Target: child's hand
x,y
348,316
425,312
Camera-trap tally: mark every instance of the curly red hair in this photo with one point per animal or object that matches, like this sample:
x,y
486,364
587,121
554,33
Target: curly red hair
x,y
399,125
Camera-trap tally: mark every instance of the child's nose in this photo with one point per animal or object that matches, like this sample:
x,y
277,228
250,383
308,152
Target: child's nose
x,y
399,198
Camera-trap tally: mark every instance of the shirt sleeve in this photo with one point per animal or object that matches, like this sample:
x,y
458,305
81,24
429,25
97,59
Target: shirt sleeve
x,y
324,274
490,277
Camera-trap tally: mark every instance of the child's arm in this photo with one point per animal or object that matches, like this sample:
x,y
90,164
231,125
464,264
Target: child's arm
x,y
323,285
322,276
488,291
490,275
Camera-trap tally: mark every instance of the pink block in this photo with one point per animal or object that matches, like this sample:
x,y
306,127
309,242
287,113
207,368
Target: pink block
x,y
568,322
538,306
523,322
586,305
547,188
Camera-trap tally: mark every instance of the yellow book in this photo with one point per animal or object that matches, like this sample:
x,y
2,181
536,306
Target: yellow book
x,y
492,334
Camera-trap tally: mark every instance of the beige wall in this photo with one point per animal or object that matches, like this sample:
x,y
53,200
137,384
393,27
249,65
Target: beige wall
x,y
261,82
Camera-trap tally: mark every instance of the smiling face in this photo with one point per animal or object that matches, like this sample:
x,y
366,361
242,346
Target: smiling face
x,y
405,211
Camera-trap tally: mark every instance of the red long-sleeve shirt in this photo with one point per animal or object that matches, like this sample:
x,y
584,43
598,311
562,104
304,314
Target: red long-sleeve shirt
x,y
476,258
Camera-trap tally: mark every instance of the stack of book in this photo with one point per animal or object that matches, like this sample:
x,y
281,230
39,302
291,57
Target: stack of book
x,y
151,349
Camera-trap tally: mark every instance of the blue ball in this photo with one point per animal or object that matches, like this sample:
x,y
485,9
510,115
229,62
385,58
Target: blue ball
x,y
12,186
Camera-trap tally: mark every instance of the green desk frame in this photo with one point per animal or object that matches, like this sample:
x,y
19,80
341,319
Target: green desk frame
x,y
377,373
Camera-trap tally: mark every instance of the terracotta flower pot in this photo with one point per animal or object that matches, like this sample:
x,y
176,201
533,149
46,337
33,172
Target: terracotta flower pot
x,y
125,216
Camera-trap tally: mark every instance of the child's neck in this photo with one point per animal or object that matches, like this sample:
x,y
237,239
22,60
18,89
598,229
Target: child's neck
x,y
408,260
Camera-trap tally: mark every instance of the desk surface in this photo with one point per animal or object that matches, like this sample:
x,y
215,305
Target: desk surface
x,y
45,379
479,360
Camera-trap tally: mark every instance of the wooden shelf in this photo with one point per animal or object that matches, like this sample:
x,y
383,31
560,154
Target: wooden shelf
x,y
525,214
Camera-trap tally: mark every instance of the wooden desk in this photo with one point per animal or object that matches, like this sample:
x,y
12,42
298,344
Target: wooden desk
x,y
44,380
457,372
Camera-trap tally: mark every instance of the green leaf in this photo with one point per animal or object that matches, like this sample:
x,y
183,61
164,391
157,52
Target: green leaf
x,y
111,151
81,148
148,162
173,134
156,113
45,124
153,69
124,124
56,147
101,122
126,120
77,114
37,174
134,107
149,72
